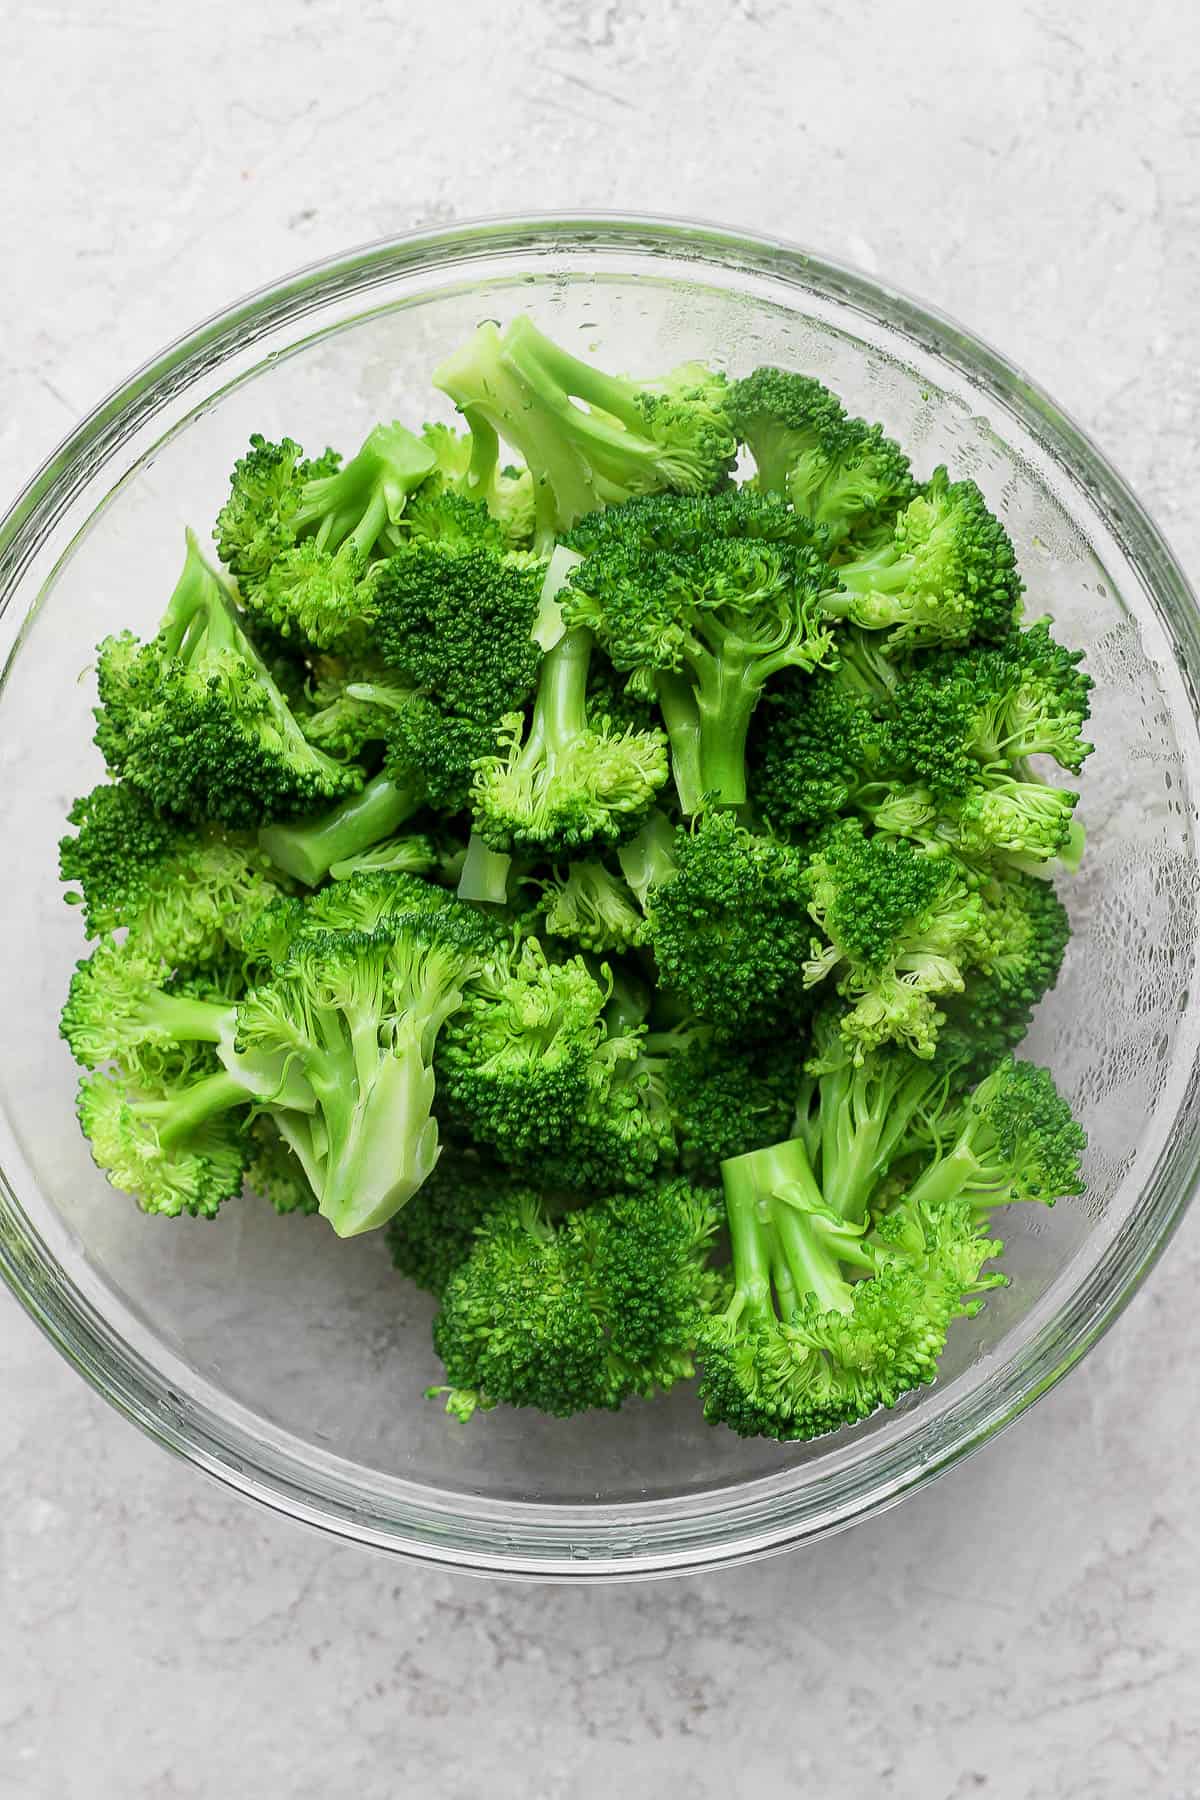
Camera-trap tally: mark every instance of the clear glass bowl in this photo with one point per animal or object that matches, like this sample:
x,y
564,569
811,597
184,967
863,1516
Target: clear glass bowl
x,y
293,1367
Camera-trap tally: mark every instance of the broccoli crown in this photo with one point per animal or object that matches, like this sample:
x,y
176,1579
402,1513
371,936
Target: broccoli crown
x,y
1011,817
945,574
358,1012
436,1232
195,720
458,624
255,523
274,1172
322,598
730,928
842,473
817,744
437,514
184,895
177,1149
625,438
566,784
900,923
1018,1141
963,719
802,1349
585,1313
515,1064
727,1098
592,907
716,604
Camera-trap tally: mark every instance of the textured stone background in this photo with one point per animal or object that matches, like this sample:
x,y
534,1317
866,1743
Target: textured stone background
x,y
1031,1627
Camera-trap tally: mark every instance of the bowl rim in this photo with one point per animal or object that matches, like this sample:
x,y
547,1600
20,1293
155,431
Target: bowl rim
x,y
621,1540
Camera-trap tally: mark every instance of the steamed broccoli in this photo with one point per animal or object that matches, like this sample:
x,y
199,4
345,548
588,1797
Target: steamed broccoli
x,y
587,1312
195,721
705,602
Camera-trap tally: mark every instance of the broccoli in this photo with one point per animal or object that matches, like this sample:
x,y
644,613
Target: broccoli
x,y
412,853
729,924
358,1014
826,1324
900,924
566,784
274,1171
195,721
307,850
706,601
586,1312
626,438
817,747
945,574
725,1098
176,1149
1018,1142
185,895
468,467
300,541
842,473
592,907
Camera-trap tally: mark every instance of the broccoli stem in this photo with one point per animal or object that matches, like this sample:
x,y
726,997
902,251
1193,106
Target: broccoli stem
x,y
946,1178
190,1021
780,1221
308,848
725,702
484,874
681,717
177,1117
386,1140
648,860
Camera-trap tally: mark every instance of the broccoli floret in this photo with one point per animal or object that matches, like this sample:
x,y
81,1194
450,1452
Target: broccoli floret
x,y
945,574
437,514
358,1014
842,473
1010,817
705,610
817,745
900,925
436,1232
626,438
117,1006
274,1172
184,895
566,784
175,1148
587,1312
1018,1142
412,853
729,925
301,540
195,721
255,523
469,467
803,1347
592,907
725,1098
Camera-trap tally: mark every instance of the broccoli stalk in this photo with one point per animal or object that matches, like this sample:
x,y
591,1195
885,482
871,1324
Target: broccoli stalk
x,y
308,849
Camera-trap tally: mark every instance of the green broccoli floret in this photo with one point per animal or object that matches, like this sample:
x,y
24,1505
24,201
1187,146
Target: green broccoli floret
x,y
274,1172
705,610
358,1014
436,1232
729,924
626,437
254,524
195,720
725,1098
816,747
412,853
588,1312
1018,1141
184,895
945,574
842,473
567,783
175,1148
437,514
803,1347
117,1006
857,1114
301,541
899,925
592,907
469,467
515,1064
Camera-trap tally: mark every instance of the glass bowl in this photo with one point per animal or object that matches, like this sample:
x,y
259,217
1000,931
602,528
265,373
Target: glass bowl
x,y
292,1367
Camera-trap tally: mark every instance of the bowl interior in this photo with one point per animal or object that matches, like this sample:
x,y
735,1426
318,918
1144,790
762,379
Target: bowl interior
x,y
315,1347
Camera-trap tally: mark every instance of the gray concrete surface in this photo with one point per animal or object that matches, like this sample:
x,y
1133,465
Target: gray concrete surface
x,y
1030,1628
